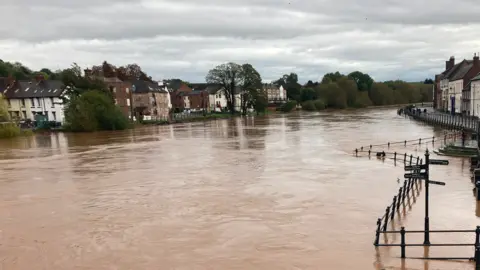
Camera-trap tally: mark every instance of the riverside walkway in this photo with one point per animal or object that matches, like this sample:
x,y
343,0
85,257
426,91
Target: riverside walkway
x,y
455,122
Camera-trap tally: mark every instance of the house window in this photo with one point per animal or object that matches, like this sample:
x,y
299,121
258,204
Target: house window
x,y
128,102
24,114
23,102
114,90
127,90
32,101
38,102
52,103
9,103
116,102
54,116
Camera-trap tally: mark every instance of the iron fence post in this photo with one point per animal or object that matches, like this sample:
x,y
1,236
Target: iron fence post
x,y
402,243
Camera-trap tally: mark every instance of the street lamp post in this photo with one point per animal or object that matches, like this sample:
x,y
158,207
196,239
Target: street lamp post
x,y
131,102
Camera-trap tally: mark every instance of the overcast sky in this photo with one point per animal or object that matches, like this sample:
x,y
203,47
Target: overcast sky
x,y
389,39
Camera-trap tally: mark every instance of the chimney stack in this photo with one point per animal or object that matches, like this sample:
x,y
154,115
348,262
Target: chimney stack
x,y
88,72
39,78
476,62
450,63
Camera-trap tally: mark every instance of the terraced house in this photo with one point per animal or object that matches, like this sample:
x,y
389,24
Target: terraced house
x,y
29,98
150,99
452,86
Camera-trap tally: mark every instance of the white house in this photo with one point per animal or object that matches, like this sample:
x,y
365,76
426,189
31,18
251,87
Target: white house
x,y
36,97
474,89
217,99
455,91
275,93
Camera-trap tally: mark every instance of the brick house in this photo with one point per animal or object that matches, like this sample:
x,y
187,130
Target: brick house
x,y
150,99
179,94
121,90
199,97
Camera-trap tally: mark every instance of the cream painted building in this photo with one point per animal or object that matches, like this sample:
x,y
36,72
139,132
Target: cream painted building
x,y
38,97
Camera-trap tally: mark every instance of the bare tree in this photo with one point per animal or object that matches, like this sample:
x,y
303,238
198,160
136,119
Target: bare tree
x,y
229,77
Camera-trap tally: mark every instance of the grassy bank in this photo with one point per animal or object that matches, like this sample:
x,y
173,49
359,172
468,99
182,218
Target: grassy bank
x,y
11,130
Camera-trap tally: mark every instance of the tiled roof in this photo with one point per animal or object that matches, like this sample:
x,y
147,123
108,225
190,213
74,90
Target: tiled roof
x,y
33,89
213,89
462,71
199,86
147,87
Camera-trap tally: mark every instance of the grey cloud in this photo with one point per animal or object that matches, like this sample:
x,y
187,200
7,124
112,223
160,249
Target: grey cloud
x,y
185,38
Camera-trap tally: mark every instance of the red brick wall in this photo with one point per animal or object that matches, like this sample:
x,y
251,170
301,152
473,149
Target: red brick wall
x,y
121,95
199,101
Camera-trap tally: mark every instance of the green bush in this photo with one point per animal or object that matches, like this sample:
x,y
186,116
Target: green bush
x,y
319,104
92,111
289,106
9,130
308,105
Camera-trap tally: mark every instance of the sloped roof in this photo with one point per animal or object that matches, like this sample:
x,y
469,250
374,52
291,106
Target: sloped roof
x,y
33,89
147,87
214,88
199,86
461,71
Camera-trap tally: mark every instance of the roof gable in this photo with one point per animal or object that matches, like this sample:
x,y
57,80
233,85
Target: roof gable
x,y
34,89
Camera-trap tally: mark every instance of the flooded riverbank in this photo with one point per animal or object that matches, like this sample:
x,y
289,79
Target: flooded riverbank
x,y
277,192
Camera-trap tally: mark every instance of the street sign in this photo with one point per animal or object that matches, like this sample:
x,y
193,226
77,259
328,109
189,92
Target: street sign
x,y
438,162
415,175
414,167
436,183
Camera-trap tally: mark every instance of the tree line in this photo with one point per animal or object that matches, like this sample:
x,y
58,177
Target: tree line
x,y
355,90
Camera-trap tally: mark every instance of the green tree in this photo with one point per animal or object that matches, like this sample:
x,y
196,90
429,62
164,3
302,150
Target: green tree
x,y
363,100
229,77
333,95
308,94
350,87
93,110
381,94
4,115
309,105
363,80
332,77
290,83
251,85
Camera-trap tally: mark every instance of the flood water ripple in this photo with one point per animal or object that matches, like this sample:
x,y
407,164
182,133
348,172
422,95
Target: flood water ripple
x,y
277,192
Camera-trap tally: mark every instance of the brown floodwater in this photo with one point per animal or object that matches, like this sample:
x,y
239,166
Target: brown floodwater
x,y
282,192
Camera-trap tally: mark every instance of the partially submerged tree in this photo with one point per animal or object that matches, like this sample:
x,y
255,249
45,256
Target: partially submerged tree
x,y
251,87
229,77
237,79
4,116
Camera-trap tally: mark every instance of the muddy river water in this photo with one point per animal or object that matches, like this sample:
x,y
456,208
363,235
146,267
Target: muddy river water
x,y
278,192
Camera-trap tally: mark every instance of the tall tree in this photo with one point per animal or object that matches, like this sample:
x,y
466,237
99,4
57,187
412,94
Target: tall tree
x,y
229,77
363,80
251,85
332,77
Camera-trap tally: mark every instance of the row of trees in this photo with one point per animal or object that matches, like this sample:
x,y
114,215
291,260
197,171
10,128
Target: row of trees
x,y
356,89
